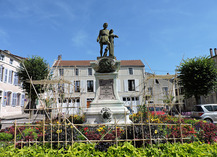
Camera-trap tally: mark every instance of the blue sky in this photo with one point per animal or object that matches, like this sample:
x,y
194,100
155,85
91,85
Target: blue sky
x,y
158,32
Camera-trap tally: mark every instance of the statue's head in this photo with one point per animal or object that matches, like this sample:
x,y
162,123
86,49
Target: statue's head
x,y
105,25
111,31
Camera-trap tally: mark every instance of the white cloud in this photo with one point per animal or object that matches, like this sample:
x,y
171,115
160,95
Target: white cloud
x,y
66,8
4,37
80,38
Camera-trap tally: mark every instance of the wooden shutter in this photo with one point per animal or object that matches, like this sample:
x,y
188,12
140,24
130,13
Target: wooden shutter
x,y
125,85
136,84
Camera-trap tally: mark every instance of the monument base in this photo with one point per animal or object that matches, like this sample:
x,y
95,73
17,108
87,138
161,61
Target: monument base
x,y
107,108
107,113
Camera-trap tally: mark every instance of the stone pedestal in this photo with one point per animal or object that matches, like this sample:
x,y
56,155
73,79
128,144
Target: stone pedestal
x,y
106,108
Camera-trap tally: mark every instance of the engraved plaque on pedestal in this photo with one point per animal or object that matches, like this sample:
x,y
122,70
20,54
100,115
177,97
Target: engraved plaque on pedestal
x,y
106,90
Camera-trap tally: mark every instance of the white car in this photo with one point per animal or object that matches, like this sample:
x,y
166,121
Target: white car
x,y
207,112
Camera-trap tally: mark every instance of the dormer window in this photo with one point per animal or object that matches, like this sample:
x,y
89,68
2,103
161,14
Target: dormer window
x,y
11,61
2,57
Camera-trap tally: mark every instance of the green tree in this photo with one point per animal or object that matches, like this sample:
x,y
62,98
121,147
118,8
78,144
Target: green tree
x,y
198,76
37,69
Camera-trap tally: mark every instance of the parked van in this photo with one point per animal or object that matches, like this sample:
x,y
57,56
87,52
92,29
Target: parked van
x,y
206,112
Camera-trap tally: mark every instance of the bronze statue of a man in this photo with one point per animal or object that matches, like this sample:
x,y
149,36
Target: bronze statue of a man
x,y
103,37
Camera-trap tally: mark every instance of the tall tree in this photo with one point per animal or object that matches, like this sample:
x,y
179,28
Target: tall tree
x,y
198,76
37,69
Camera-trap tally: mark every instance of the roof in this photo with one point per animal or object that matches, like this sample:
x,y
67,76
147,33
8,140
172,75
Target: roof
x,y
9,53
84,63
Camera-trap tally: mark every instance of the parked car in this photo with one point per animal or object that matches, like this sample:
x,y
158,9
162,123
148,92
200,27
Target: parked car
x,y
158,110
207,112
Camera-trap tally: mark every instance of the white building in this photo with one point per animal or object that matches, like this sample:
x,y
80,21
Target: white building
x,y
11,94
82,88
159,89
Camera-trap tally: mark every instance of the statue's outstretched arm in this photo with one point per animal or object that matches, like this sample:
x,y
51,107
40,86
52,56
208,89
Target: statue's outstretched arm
x,y
98,36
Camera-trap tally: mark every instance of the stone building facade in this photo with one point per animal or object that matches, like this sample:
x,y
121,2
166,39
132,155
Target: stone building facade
x,y
81,90
11,94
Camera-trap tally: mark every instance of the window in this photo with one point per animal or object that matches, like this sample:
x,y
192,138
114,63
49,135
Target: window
x,y
77,86
15,79
209,108
61,72
131,71
198,109
2,57
214,108
61,88
76,71
90,86
1,73
150,91
156,81
165,91
18,99
90,71
8,99
131,85
11,61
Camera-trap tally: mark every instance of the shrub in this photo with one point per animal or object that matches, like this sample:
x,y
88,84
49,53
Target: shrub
x,y
77,119
5,136
143,131
126,149
206,132
174,131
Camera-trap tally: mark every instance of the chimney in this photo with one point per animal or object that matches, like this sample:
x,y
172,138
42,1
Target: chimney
x,y
60,57
211,53
215,51
6,51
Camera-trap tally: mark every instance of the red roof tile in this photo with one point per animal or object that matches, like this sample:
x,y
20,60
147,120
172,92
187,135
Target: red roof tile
x,y
68,63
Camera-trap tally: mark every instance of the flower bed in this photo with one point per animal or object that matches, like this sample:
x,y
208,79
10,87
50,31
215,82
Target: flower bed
x,y
147,129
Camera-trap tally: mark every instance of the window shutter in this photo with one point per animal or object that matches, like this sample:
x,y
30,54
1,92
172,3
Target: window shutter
x,y
1,72
118,85
66,88
72,86
83,86
6,75
22,100
14,78
4,99
137,84
14,99
125,85
94,85
10,77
